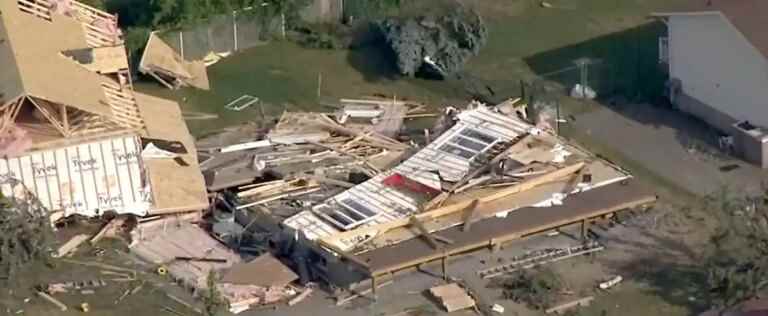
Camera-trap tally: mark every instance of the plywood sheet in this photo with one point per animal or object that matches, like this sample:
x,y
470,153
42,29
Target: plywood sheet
x,y
177,187
264,271
36,45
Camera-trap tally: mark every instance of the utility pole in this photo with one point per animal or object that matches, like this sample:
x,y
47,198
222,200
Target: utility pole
x,y
583,64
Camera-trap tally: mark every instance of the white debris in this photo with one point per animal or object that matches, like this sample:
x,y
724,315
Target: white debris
x,y
560,153
497,308
581,92
153,152
610,283
556,199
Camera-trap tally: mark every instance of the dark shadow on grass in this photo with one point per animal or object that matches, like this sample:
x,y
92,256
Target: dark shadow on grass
x,y
670,269
370,54
624,63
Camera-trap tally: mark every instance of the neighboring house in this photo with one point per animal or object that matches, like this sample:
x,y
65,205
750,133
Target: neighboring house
x,y
74,135
717,53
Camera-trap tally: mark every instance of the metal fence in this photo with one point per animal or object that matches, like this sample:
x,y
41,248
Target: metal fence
x,y
222,34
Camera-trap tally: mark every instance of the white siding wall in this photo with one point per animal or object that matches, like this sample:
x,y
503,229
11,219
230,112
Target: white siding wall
x,y
718,66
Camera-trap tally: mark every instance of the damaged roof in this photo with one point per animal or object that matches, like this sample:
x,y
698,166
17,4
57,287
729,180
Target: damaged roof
x,y
31,47
351,219
449,157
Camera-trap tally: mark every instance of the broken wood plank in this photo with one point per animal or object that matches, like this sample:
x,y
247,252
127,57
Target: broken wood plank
x,y
580,302
300,297
330,181
421,115
99,265
424,233
108,230
52,300
200,259
70,246
443,239
469,216
184,303
356,295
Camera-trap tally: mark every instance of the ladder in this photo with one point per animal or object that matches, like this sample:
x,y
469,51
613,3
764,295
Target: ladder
x,y
540,257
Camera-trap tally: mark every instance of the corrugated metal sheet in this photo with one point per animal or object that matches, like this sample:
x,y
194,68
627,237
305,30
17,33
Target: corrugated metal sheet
x,y
388,203
86,179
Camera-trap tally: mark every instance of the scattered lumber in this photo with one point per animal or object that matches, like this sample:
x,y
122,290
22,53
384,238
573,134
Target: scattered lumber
x,y
346,153
580,302
456,207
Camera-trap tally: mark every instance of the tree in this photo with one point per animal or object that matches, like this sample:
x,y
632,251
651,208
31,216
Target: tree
x,y
737,268
26,235
213,300
434,46
538,288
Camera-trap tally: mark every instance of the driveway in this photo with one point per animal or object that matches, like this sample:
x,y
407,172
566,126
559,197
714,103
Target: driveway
x,y
672,145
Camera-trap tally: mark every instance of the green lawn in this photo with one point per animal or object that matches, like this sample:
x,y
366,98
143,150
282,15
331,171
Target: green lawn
x,y
286,75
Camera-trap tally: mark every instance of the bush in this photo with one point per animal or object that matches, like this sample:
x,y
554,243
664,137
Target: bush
x,y
537,288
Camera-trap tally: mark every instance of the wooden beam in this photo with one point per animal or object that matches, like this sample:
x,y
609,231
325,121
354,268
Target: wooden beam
x,y
10,112
445,268
579,302
456,207
64,118
330,181
443,239
50,117
424,233
510,236
444,195
469,216
357,294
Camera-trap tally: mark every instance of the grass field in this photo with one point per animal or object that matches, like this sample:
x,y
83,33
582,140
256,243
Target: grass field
x,y
286,75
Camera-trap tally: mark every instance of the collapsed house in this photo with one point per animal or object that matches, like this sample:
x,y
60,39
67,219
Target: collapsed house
x,y
489,178
74,133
